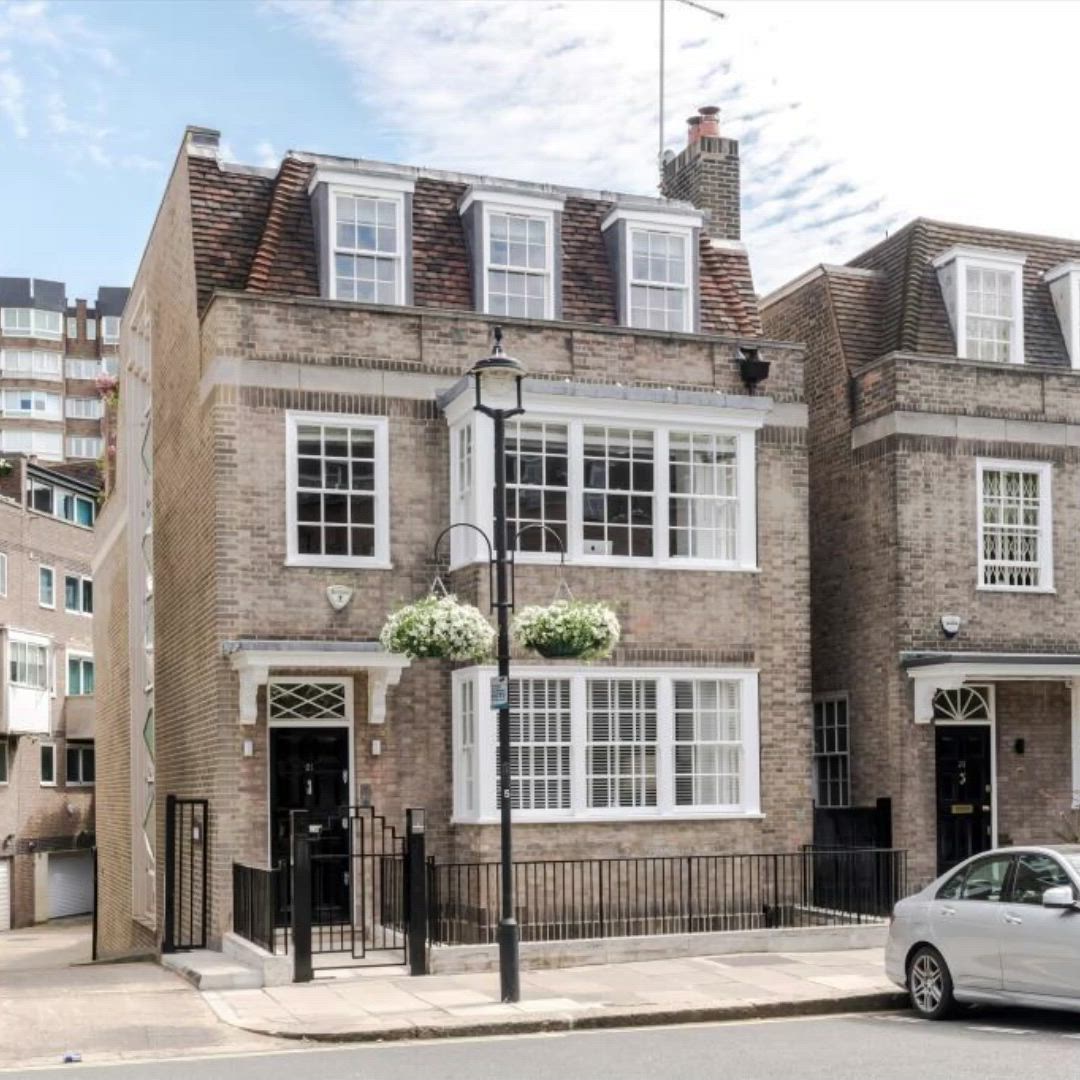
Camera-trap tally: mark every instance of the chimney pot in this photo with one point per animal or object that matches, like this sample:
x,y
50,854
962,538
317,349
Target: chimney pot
x,y
709,124
693,130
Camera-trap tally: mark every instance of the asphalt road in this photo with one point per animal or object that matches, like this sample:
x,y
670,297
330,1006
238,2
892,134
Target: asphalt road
x,y
984,1045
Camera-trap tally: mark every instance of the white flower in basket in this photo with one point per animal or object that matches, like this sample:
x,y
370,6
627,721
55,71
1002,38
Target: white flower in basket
x,y
569,628
439,627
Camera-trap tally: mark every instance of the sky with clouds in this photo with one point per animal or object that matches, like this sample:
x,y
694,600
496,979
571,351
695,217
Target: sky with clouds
x,y
852,118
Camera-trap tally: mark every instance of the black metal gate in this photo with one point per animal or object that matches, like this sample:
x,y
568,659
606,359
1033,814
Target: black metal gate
x,y
357,896
187,884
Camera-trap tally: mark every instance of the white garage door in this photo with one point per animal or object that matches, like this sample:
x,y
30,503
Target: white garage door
x,y
71,884
5,894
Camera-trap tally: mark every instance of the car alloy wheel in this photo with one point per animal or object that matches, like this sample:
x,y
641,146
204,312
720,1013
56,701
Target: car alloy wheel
x,y
929,984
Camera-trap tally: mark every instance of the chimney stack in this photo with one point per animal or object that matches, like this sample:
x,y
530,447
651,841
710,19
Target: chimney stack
x,y
706,174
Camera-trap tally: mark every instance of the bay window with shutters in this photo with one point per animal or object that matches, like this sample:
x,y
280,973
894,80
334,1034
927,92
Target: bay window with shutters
x,y
625,487
609,744
1015,526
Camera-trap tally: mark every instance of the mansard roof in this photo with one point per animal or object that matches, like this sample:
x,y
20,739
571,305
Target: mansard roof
x,y
253,231
905,310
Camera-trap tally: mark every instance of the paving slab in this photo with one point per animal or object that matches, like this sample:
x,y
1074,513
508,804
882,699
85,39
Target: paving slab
x,y
690,990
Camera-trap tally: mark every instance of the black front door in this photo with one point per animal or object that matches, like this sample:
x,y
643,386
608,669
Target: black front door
x,y
309,771
964,792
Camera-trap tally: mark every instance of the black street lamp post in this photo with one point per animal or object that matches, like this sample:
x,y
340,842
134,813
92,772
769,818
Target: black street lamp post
x,y
499,378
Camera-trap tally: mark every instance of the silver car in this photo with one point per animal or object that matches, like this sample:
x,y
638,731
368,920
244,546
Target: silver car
x,y
1001,928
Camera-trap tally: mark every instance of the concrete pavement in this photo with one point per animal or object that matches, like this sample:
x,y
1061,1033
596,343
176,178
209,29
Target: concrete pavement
x,y
370,1004
105,1012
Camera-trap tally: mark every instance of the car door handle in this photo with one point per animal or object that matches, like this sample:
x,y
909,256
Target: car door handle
x,y
1013,920
948,911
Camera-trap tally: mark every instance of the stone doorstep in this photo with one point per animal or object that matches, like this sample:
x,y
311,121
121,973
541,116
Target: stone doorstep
x,y
207,970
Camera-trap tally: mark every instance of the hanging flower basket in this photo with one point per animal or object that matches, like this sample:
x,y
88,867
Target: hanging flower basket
x,y
569,629
439,627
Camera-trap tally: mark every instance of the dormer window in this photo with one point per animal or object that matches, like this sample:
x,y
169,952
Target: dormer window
x,y
30,322
659,279
367,248
363,222
1064,283
513,239
654,257
983,292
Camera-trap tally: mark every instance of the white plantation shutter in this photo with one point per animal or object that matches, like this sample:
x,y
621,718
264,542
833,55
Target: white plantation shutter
x,y
708,742
621,749
539,744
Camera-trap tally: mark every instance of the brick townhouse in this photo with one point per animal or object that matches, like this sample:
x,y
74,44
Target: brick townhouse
x,y
52,353
944,469
288,322
46,691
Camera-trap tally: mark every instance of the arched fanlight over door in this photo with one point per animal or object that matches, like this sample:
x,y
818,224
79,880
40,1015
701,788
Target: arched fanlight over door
x,y
968,704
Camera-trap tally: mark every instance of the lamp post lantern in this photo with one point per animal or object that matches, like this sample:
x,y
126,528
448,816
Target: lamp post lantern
x,y
498,395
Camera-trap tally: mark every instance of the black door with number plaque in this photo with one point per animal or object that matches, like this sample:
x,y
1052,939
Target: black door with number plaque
x,y
964,792
309,771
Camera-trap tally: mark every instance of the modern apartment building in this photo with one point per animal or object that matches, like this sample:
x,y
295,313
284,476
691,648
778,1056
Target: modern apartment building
x,y
943,381
46,691
53,352
295,428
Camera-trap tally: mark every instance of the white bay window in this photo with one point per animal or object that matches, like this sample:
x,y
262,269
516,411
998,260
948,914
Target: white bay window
x,y
590,744
33,362
31,322
613,489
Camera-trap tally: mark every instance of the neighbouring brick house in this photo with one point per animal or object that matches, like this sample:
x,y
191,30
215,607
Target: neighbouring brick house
x,y
944,399
293,417
53,353
46,691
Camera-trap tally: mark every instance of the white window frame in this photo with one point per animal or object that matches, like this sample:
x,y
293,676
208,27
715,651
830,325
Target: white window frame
x,y
485,747
76,366
30,642
17,322
83,657
682,225
80,746
952,267
83,408
76,446
5,757
110,329
51,407
52,587
72,327
91,329
3,573
578,414
83,580
379,426
1044,470
53,371
42,747
368,190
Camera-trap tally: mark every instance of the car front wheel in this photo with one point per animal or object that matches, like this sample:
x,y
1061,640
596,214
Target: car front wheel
x,y
930,984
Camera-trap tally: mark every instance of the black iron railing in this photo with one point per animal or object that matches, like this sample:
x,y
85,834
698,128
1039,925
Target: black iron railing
x,y
568,899
255,906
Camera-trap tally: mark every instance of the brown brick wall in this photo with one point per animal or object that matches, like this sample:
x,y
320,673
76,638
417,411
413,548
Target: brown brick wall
x,y
33,817
894,546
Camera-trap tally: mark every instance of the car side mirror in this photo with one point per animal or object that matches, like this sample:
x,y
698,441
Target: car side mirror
x,y
1060,896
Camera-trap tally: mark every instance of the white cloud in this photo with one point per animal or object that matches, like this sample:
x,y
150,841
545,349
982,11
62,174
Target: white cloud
x,y
49,57
266,155
852,118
